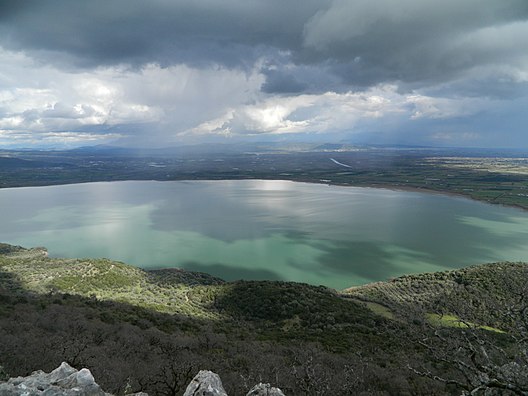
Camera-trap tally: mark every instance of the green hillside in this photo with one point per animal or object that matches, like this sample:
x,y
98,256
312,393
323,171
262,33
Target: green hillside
x,y
480,293
153,330
168,291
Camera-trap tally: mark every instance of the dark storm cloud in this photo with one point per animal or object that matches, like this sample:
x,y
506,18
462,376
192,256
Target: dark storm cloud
x,y
496,87
281,82
359,43
166,32
284,77
412,40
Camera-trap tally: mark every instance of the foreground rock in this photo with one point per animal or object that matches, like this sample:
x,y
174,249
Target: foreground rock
x,y
206,383
264,390
67,381
63,381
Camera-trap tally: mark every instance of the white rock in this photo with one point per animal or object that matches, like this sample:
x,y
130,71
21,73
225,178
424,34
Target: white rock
x,y
205,383
63,381
264,390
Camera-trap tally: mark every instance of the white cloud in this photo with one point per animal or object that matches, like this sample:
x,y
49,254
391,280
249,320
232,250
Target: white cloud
x,y
41,99
154,105
16,139
327,112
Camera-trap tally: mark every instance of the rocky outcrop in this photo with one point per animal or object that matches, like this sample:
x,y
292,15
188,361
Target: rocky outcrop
x,y
67,381
264,390
63,381
206,383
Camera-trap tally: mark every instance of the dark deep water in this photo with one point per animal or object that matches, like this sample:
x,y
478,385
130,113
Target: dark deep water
x,y
257,229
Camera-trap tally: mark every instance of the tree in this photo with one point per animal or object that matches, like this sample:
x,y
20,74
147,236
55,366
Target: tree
x,y
477,357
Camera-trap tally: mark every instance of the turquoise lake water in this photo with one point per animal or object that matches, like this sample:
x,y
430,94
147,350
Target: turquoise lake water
x,y
260,229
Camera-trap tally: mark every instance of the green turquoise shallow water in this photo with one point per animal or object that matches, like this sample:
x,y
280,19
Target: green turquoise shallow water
x,y
257,229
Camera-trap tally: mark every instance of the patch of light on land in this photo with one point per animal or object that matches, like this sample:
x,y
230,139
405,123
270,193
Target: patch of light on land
x,y
518,166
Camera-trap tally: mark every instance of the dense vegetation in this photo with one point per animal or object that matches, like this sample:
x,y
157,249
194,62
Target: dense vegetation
x,y
152,331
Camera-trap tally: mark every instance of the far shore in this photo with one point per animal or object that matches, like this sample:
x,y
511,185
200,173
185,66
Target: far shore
x,y
440,192
409,189
392,187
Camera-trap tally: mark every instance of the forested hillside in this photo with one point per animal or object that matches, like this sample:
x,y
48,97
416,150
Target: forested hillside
x,y
439,333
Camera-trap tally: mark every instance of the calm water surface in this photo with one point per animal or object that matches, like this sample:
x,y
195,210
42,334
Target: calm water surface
x,y
256,229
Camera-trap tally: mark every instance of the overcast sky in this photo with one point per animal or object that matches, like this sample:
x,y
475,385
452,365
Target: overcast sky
x,y
170,72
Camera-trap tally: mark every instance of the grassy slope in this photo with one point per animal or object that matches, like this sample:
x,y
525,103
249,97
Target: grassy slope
x,y
163,291
483,288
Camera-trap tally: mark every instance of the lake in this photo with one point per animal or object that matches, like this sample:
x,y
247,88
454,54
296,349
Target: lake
x,y
260,229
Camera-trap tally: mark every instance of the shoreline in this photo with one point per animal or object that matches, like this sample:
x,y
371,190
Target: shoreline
x,y
391,187
451,193
426,191
405,189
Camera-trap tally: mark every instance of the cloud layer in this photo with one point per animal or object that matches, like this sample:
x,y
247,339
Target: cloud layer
x,y
161,72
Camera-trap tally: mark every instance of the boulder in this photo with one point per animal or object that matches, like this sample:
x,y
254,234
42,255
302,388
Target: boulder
x,y
63,381
264,390
205,383
67,381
